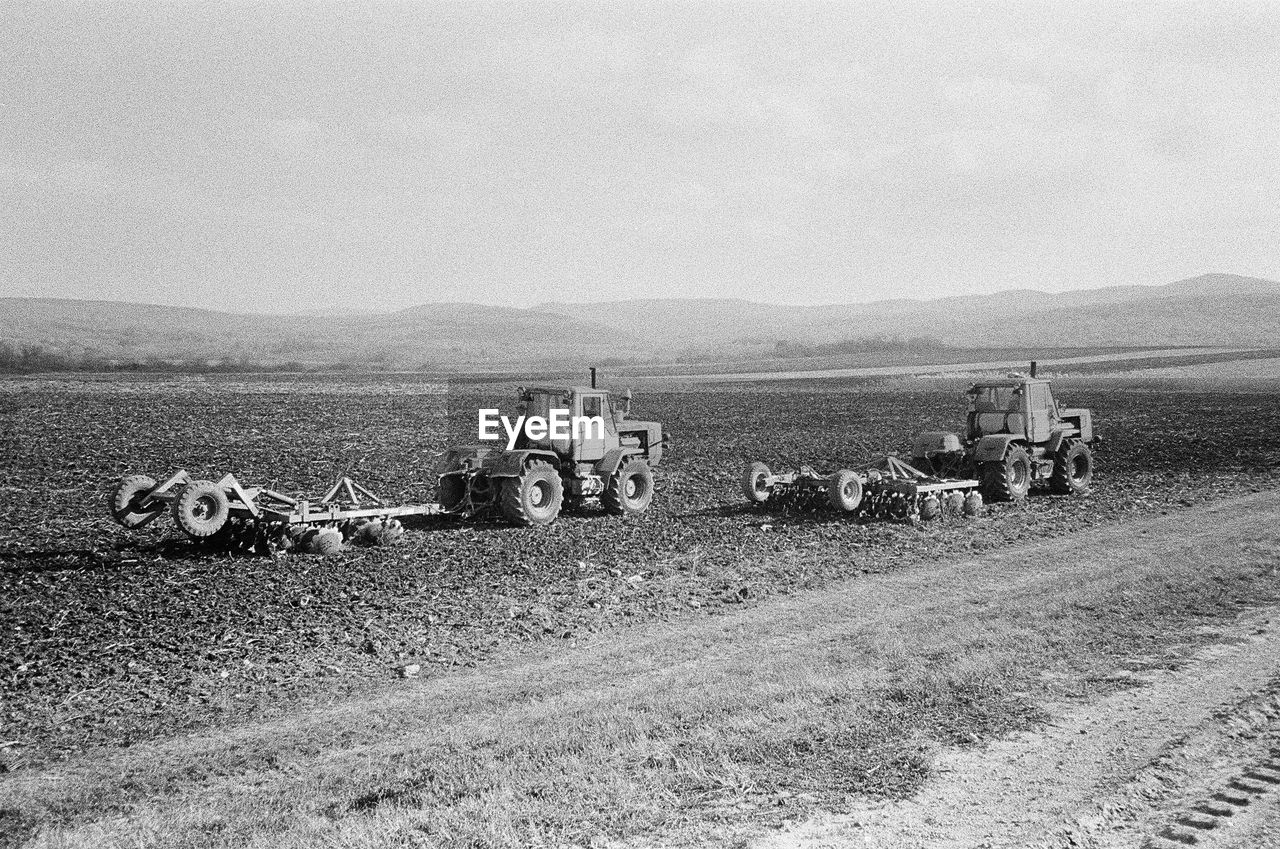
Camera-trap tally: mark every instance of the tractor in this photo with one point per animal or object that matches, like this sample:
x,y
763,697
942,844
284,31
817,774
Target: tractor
x,y
529,482
1016,435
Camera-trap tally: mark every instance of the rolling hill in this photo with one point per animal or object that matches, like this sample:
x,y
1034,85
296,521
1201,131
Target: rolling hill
x,y
1214,309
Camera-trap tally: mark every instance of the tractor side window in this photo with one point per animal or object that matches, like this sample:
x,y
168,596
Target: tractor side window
x,y
593,405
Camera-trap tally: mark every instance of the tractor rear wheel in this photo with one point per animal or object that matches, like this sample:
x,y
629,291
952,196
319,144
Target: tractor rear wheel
x,y
1072,468
755,483
630,490
534,497
1008,479
201,509
125,502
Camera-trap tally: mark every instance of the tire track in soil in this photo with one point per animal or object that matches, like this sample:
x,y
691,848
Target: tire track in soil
x,y
1183,758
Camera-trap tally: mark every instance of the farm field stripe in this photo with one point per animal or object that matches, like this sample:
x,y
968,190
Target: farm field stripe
x,y
944,368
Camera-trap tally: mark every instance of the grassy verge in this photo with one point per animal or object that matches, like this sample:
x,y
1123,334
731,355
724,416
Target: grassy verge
x,y
705,733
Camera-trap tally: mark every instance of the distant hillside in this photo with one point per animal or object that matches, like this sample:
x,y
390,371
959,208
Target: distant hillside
x,y
436,335
1216,309
1211,309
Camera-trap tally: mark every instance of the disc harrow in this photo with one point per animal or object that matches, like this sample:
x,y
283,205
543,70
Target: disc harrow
x,y
887,489
227,515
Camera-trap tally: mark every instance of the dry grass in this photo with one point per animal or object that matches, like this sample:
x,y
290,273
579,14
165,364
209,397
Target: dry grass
x,y
703,732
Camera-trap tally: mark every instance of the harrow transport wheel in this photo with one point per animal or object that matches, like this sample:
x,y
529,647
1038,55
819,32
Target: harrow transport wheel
x,y
201,509
534,497
125,506
452,491
755,483
1008,479
1072,468
630,490
844,491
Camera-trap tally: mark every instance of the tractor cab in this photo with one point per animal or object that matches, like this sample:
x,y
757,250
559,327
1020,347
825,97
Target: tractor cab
x,y
587,441
1017,405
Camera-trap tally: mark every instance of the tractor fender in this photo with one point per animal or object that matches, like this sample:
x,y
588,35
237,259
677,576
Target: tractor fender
x,y
993,447
609,463
511,463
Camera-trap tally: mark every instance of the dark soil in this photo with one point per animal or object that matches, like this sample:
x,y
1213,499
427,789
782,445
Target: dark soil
x,y
113,636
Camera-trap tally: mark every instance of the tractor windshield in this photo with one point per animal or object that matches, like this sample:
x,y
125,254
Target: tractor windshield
x,y
542,403
991,399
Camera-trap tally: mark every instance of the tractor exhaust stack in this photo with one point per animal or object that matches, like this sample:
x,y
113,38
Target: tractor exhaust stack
x,y
1033,369
593,377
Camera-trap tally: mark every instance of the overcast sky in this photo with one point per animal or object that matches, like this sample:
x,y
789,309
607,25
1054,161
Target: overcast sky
x,y
275,155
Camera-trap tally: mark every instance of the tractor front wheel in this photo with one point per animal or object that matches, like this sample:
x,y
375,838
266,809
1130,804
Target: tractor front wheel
x,y
534,497
1008,479
630,490
1072,468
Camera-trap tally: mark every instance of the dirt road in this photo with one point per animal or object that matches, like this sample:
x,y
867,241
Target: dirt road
x,y
1186,758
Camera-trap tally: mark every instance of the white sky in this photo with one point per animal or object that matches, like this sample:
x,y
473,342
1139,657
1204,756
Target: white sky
x,y
278,155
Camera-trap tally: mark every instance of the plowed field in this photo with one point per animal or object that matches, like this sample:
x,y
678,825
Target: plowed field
x,y
112,636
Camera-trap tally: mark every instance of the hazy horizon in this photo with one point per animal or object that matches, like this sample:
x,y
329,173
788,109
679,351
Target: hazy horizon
x,y
277,157
692,298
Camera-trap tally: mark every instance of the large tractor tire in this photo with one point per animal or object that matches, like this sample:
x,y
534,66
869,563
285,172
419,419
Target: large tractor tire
x,y
125,502
535,496
755,483
452,491
630,490
201,509
1008,479
1072,468
844,491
